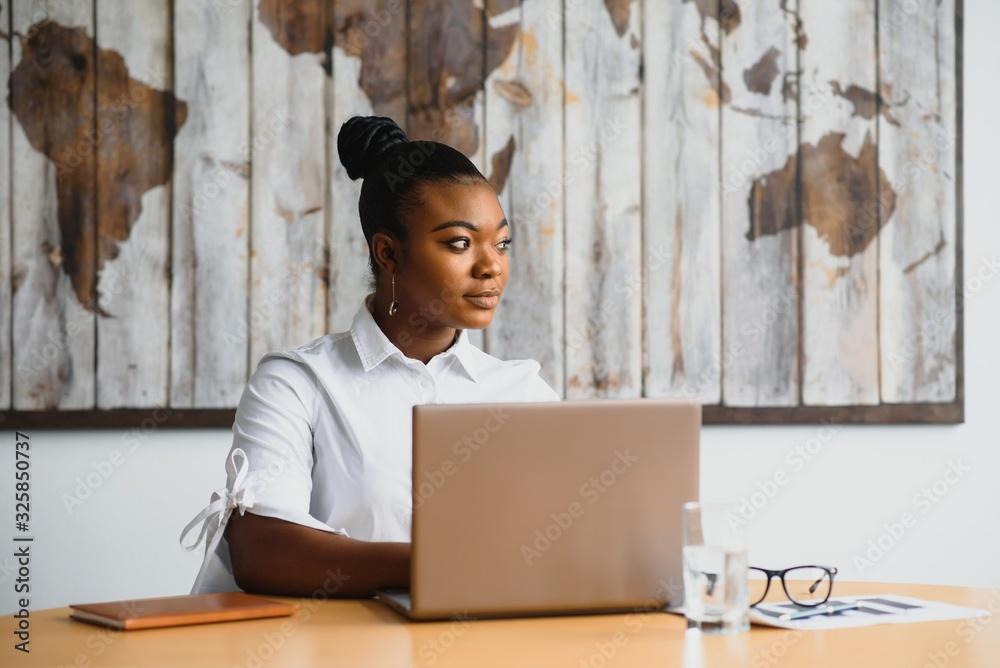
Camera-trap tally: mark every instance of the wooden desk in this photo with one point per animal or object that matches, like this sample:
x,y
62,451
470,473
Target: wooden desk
x,y
364,633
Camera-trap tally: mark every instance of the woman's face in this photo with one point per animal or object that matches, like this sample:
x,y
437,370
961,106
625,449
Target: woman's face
x,y
454,267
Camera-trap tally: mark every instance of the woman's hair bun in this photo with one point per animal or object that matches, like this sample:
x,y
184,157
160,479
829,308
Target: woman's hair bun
x,y
364,140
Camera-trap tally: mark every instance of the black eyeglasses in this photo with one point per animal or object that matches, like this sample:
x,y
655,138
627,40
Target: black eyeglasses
x,y
807,586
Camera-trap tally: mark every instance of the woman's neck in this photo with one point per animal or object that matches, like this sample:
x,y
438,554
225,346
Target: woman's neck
x,y
411,341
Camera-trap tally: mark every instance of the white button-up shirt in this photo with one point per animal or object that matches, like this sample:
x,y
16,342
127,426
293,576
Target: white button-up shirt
x,y
323,434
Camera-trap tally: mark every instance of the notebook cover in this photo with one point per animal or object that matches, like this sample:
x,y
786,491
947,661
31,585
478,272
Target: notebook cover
x,y
146,613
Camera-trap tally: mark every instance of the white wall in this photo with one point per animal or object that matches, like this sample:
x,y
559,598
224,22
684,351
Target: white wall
x,y
122,541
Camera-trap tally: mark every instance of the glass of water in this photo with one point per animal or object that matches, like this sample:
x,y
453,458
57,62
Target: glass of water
x,y
716,598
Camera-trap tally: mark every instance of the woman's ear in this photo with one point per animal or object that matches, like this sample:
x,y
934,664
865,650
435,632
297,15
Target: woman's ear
x,y
386,251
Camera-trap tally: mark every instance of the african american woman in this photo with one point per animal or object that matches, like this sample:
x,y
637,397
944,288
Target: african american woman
x,y
318,496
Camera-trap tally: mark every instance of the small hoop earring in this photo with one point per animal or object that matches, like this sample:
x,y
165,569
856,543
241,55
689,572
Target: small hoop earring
x,y
394,305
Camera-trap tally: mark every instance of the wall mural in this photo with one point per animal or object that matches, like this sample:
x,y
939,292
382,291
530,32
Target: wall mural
x,y
754,204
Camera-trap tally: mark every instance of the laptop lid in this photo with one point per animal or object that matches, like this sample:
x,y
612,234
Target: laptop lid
x,y
561,507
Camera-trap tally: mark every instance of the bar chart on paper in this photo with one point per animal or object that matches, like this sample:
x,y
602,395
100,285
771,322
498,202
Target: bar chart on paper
x,y
870,610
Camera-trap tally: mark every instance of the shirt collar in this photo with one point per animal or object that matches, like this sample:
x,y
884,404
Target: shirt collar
x,y
374,347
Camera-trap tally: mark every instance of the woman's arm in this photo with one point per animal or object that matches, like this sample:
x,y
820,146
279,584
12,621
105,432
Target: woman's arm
x,y
280,558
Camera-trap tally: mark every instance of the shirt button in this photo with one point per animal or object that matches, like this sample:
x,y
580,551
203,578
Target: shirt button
x,y
426,384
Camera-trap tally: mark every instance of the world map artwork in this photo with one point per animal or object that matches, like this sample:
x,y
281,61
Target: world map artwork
x,y
109,143
840,193
56,111
757,205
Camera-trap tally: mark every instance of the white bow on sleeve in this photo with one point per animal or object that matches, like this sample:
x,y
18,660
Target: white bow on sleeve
x,y
216,514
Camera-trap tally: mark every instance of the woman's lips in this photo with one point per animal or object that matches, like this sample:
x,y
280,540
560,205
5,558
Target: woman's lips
x,y
484,301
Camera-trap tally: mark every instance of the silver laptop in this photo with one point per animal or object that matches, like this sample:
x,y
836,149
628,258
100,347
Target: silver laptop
x,y
549,508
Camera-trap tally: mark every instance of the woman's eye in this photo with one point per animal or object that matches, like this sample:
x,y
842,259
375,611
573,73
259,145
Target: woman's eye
x,y
463,243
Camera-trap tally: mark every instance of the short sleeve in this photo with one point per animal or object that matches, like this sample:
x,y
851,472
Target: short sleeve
x,y
274,428
269,467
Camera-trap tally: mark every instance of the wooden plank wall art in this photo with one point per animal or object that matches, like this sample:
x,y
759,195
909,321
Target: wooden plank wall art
x,y
752,203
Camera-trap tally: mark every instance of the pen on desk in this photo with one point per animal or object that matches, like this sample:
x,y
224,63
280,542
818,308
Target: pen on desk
x,y
822,610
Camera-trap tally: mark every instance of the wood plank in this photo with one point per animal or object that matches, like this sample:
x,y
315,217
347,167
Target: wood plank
x,y
603,194
499,145
133,202
5,221
211,200
524,148
369,78
840,204
760,248
681,188
505,95
445,80
477,36
138,422
445,74
148,419
918,252
936,413
960,206
288,181
53,218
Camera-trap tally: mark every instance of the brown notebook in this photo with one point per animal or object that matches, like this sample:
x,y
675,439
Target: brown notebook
x,y
147,613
